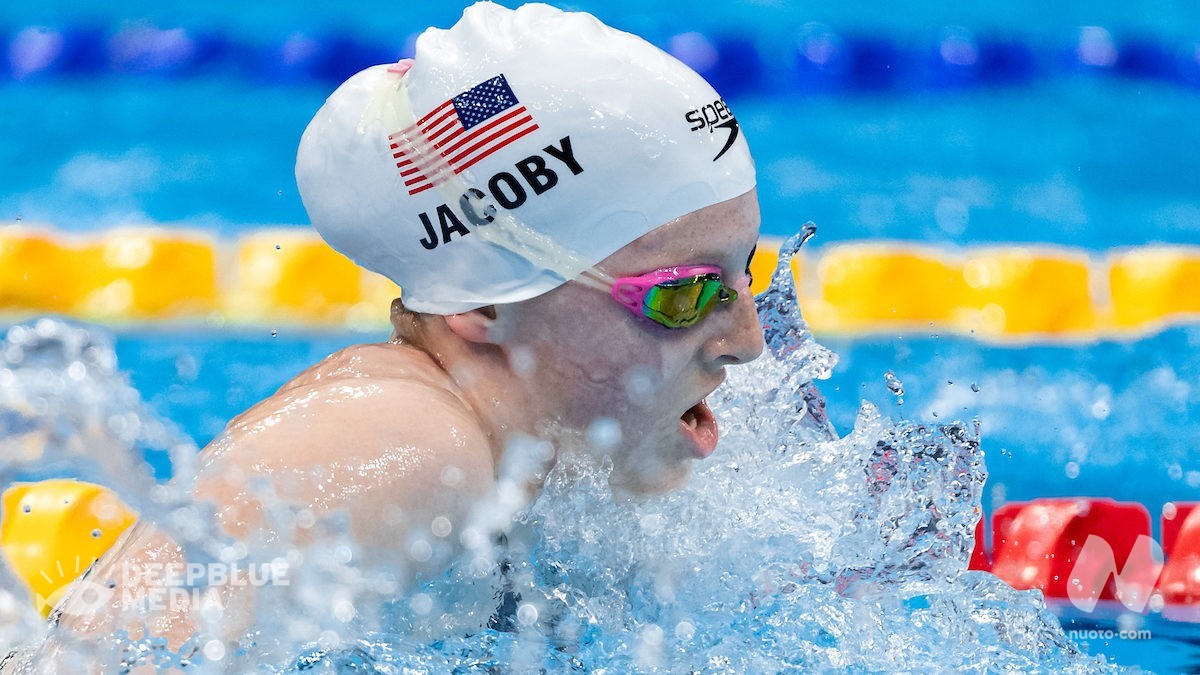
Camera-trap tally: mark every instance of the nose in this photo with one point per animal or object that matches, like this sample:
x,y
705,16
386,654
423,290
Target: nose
x,y
738,336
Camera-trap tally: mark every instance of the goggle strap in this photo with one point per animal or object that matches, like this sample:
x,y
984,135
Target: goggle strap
x,y
596,278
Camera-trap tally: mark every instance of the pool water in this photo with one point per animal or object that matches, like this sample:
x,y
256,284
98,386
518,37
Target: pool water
x,y
1112,419
1094,158
820,528
812,551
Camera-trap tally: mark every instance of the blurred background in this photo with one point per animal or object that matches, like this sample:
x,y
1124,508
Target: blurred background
x,y
1073,124
1070,127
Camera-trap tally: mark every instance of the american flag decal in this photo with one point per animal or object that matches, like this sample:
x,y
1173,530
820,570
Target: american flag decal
x,y
459,133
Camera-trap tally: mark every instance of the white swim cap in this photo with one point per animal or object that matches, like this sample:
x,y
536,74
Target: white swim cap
x,y
520,148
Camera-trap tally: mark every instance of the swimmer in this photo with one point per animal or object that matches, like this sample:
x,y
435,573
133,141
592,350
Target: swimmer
x,y
570,213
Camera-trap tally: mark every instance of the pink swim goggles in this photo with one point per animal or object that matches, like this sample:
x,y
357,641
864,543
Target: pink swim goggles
x,y
675,297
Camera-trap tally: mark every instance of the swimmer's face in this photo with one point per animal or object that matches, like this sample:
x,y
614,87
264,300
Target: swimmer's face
x,y
593,360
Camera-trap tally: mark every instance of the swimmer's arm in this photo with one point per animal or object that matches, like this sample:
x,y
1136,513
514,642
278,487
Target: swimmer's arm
x,y
402,462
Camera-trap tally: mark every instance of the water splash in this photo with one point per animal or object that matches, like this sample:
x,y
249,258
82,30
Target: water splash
x,y
790,549
66,410
790,341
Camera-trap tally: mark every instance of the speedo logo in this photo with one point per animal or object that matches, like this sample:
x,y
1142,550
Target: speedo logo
x,y
715,115
531,177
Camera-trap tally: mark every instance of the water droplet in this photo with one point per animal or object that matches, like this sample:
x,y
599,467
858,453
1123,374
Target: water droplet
x,y
895,386
1156,602
344,611
522,360
1072,470
278,247
274,332
27,508
96,533
452,476
441,527
604,433
639,383
421,604
214,650
974,387
527,614
18,219
420,551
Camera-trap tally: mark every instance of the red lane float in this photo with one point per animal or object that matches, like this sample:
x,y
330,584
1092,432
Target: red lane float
x,y
1036,544
1180,580
979,554
1087,550
1173,516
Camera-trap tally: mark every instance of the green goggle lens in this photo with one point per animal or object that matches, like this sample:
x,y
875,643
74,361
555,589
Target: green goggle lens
x,y
683,302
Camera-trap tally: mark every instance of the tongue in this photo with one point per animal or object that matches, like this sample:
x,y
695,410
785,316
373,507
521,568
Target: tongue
x,y
700,426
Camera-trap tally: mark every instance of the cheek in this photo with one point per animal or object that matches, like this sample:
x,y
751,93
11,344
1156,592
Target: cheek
x,y
608,366
591,358
598,339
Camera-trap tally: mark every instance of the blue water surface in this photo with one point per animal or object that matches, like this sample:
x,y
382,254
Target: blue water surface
x,y
1056,152
1116,419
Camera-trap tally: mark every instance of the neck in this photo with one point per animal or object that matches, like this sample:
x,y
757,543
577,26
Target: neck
x,y
485,380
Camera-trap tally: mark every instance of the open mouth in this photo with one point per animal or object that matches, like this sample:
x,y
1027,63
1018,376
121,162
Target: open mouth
x,y
700,426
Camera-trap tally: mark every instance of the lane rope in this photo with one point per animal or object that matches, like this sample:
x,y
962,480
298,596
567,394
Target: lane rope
x,y
809,58
289,276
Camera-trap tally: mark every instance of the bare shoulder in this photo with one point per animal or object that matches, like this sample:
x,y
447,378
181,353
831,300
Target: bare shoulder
x,y
378,431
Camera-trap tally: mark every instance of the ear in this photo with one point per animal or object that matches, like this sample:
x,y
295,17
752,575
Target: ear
x,y
477,325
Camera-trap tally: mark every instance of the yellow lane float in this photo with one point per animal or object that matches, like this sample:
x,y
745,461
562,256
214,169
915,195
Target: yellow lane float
x,y
124,275
142,274
289,276
38,272
872,286
1154,285
1018,291
53,530
292,276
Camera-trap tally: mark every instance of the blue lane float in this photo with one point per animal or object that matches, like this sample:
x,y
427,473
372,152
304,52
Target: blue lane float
x,y
811,58
732,63
323,56
38,51
146,50
959,59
